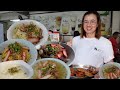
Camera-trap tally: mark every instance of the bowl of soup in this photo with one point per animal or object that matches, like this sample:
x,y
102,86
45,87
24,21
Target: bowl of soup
x,y
50,68
110,69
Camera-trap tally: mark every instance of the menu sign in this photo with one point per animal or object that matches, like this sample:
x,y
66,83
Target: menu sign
x,y
54,36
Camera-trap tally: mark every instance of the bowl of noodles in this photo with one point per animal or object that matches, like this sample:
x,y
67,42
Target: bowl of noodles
x,y
30,30
50,68
110,69
15,70
18,49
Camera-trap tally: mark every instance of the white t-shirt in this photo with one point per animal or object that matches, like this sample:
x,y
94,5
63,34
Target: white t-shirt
x,y
92,51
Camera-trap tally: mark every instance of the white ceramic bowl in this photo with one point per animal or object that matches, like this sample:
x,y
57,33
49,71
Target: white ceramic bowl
x,y
4,66
33,50
38,24
102,67
56,60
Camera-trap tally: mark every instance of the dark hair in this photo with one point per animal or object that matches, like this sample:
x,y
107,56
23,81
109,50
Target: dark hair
x,y
76,33
98,31
115,33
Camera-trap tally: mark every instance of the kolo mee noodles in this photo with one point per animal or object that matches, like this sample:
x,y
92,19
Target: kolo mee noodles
x,y
30,32
16,51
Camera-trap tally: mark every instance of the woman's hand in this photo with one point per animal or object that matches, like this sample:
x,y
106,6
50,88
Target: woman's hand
x,y
96,76
69,43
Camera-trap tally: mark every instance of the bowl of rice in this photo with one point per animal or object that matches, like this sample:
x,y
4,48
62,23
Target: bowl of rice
x,y
15,70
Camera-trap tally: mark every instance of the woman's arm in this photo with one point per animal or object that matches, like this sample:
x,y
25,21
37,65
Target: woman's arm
x,y
110,61
69,43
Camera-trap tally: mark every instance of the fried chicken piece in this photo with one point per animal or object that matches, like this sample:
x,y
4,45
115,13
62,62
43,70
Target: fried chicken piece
x,y
89,74
80,74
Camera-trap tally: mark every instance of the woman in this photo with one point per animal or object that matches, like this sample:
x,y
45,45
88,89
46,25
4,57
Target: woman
x,y
90,47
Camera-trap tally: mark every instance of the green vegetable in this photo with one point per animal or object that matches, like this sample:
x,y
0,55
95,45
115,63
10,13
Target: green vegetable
x,y
13,70
15,47
52,50
111,69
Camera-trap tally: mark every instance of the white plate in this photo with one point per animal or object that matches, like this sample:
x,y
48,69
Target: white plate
x,y
26,67
38,24
33,50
